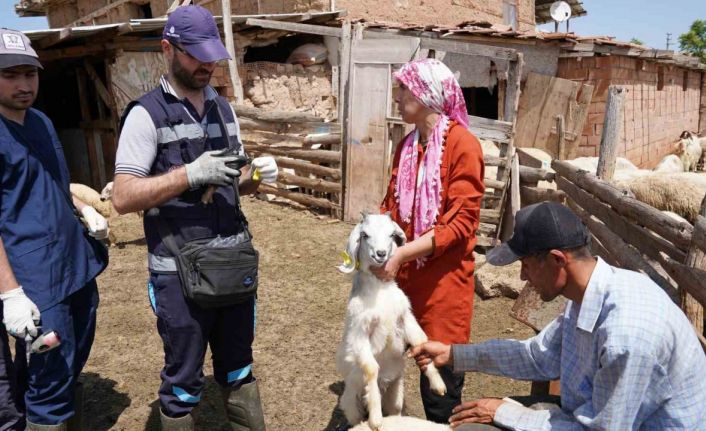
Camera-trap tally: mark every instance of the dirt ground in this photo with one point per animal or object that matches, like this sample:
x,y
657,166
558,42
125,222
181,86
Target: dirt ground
x,y
300,314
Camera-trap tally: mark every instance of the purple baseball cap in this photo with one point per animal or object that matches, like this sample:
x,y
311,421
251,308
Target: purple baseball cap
x,y
16,50
194,29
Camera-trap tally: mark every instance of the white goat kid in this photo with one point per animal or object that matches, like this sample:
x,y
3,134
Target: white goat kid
x,y
379,326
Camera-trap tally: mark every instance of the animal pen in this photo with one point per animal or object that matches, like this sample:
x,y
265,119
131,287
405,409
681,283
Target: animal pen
x,y
634,235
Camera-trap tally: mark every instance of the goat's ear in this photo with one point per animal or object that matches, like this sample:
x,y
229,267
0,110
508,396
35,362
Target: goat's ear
x,y
363,215
399,236
684,135
350,258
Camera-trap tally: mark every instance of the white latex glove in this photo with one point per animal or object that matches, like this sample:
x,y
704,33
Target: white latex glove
x,y
97,224
265,169
19,313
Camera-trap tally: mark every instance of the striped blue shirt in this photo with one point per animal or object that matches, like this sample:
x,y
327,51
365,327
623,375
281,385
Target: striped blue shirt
x,y
627,357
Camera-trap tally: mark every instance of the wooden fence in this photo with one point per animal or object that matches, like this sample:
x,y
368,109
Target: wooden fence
x,y
307,151
634,235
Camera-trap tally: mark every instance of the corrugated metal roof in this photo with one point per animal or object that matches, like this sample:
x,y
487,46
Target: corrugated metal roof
x,y
541,10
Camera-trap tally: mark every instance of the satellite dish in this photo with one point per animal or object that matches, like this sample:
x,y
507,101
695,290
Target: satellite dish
x,y
560,11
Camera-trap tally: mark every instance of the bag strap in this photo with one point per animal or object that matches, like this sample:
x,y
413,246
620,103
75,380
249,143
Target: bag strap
x,y
236,183
165,232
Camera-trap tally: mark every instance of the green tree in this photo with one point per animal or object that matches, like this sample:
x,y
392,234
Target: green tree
x,y
636,41
694,42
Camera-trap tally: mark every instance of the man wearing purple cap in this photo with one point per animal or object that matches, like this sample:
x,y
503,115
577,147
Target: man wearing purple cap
x,y
48,260
171,152
627,357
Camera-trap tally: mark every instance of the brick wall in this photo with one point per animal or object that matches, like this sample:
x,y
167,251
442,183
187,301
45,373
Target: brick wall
x,y
662,101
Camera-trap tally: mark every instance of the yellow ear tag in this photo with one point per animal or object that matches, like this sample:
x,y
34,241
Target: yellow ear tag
x,y
346,258
256,174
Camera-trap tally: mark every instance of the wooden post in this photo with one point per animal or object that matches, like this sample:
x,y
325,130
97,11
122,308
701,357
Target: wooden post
x,y
562,137
93,161
695,258
702,108
612,126
230,46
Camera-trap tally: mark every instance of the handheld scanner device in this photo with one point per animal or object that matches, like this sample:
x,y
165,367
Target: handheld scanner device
x,y
237,163
45,342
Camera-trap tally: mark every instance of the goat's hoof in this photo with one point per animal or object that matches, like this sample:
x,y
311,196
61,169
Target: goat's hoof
x,y
437,385
375,421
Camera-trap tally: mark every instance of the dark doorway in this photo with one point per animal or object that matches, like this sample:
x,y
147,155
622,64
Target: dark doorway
x,y
481,102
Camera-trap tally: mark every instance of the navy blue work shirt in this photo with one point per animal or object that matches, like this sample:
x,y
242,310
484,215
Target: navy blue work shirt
x,y
47,246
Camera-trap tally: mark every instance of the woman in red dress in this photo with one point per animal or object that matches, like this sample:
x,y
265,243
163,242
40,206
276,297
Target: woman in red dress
x,y
434,194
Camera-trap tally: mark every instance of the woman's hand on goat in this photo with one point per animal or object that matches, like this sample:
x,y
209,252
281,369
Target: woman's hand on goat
x,y
431,351
480,411
388,272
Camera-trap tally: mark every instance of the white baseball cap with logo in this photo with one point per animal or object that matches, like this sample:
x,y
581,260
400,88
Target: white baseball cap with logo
x,y
16,50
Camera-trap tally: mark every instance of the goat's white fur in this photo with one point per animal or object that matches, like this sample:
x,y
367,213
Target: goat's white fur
x,y
379,326
404,423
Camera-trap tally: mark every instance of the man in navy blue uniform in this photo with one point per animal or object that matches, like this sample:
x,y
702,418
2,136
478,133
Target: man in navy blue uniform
x,y
48,259
169,154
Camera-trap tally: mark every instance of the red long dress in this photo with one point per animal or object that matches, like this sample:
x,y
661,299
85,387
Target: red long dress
x,y
441,292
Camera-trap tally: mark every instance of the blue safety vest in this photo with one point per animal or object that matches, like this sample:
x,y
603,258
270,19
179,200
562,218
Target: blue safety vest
x,y
47,246
180,140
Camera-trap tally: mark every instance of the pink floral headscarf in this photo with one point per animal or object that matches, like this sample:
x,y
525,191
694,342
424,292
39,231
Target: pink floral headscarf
x,y
435,86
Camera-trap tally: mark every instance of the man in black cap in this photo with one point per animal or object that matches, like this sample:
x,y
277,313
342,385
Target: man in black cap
x,y
170,154
48,261
626,355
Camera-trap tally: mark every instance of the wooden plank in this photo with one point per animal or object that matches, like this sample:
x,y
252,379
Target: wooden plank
x,y
493,161
230,47
627,256
99,12
489,216
91,148
100,87
515,199
534,175
247,123
374,52
543,99
512,95
639,237
493,183
321,156
301,198
561,137
295,27
533,195
472,49
310,183
696,258
699,236
305,167
492,130
688,278
676,232
275,116
323,139
612,128
368,142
